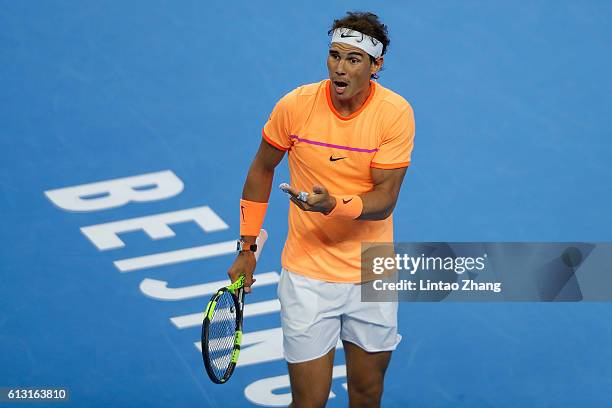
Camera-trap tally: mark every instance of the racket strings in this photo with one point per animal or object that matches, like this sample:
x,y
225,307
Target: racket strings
x,y
221,331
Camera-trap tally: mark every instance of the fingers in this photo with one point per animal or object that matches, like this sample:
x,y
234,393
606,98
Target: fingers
x,y
317,201
299,203
248,282
318,189
293,192
244,264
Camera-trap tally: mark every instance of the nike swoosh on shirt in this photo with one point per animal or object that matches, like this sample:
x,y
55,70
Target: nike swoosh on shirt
x,y
332,158
346,201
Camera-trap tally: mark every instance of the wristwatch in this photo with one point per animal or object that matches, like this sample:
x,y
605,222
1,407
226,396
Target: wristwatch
x,y
242,246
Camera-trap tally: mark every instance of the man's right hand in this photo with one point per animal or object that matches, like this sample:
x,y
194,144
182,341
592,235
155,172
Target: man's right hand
x,y
244,264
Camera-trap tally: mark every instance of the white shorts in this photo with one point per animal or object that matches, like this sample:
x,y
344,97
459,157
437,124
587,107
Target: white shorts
x,y
316,314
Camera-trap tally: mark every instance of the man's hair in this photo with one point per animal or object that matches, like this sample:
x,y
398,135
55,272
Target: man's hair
x,y
367,23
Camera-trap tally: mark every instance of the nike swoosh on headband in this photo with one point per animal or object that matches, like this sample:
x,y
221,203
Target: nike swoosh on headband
x,y
356,38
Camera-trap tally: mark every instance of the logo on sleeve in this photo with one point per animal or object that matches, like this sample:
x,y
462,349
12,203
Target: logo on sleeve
x,y
345,201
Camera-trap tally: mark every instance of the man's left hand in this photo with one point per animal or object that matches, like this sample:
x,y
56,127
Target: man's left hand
x,y
319,200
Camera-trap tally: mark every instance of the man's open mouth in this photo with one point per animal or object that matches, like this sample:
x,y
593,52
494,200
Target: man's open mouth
x,y
340,86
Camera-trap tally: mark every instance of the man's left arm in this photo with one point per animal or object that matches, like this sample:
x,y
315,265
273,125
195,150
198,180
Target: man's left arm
x,y
379,203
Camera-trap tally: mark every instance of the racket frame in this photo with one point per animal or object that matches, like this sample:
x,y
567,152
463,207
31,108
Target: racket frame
x,y
236,289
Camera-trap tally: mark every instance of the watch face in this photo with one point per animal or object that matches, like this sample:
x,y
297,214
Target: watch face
x,y
241,247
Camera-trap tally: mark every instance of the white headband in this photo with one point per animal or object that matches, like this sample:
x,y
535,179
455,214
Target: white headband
x,y
358,39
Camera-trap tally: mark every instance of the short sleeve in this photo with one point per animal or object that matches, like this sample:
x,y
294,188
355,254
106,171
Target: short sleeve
x,y
277,130
397,142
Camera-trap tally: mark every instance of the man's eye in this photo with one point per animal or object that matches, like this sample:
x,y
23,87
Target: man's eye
x,y
354,60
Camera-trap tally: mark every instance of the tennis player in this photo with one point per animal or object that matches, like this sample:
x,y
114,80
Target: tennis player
x,y
349,142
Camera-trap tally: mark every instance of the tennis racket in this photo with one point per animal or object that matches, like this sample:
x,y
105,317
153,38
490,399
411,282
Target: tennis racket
x,y
222,326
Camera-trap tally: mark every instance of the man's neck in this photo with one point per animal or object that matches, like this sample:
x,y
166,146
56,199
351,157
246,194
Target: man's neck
x,y
350,106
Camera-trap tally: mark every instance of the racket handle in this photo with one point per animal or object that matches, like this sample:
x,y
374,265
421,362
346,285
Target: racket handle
x,y
260,241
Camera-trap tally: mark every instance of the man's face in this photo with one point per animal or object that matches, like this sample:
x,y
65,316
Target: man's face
x,y
349,70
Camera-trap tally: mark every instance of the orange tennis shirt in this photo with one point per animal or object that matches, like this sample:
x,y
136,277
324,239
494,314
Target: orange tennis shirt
x,y
338,153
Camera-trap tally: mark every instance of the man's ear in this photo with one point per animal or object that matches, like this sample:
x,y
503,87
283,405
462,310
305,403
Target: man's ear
x,y
376,65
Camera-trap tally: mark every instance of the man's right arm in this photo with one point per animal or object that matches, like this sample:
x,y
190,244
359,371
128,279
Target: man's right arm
x,y
258,183
257,188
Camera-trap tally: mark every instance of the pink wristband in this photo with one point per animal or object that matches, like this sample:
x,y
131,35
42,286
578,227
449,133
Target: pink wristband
x,y
347,207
